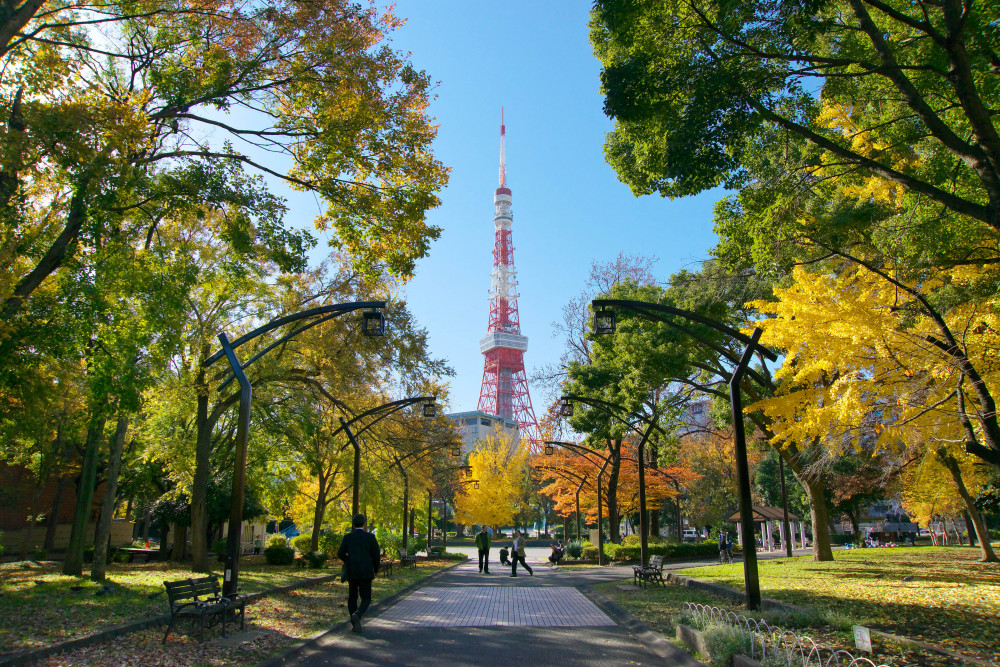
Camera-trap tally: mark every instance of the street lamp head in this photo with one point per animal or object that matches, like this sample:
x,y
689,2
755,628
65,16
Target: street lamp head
x,y
456,450
430,409
604,322
566,409
549,449
373,323
651,457
476,486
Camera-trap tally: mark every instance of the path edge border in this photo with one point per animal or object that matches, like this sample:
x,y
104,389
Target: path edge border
x,y
303,647
653,640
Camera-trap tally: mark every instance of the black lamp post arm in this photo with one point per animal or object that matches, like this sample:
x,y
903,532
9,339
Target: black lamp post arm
x,y
609,409
338,308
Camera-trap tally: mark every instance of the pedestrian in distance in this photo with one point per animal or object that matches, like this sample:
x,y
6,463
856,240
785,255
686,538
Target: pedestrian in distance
x,y
517,554
483,544
361,555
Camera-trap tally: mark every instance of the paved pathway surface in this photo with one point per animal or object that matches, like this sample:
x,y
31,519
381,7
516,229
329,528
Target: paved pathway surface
x,y
468,618
489,606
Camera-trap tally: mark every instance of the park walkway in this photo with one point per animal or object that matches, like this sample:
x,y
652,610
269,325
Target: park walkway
x,y
468,618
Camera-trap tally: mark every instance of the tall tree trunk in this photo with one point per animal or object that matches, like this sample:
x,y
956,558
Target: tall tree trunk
x,y
318,513
73,565
53,519
98,570
614,520
202,474
816,489
164,535
989,556
180,544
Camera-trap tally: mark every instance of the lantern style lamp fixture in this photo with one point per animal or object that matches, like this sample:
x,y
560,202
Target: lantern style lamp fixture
x,y
456,451
373,323
549,449
566,409
430,409
604,322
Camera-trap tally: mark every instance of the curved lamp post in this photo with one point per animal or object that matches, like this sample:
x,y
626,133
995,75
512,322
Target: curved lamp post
x,y
429,410
549,450
444,501
373,324
604,323
566,409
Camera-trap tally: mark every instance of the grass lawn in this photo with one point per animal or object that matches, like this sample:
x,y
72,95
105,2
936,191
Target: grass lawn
x,y
40,614
951,600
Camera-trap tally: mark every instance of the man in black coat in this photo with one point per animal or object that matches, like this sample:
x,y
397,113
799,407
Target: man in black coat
x,y
361,555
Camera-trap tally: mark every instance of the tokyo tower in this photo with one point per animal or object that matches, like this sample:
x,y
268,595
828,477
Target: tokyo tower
x,y
504,391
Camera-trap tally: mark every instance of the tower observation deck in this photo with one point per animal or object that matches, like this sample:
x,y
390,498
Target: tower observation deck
x,y
504,391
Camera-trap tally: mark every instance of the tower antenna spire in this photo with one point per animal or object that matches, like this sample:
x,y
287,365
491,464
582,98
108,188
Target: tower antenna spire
x,y
504,391
503,152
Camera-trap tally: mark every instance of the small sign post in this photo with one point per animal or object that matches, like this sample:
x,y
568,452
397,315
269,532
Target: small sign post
x,y
862,638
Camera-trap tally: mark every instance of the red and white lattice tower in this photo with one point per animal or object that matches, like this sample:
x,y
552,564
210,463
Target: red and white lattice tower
x,y
504,392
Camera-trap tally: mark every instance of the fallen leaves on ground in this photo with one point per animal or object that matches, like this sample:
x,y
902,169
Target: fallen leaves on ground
x,y
30,610
950,599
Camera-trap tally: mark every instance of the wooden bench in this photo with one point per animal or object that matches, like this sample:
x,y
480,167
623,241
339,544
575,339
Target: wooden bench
x,y
405,560
386,566
201,600
135,552
649,573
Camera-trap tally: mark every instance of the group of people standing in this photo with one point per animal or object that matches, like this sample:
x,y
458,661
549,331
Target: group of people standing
x,y
512,558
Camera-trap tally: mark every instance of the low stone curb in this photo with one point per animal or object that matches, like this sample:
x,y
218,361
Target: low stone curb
x,y
653,640
129,627
304,647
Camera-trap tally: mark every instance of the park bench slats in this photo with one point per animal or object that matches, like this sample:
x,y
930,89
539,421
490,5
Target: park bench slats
x,y
200,599
649,573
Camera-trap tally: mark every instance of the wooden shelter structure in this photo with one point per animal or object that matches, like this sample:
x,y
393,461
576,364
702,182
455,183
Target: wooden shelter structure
x,y
769,517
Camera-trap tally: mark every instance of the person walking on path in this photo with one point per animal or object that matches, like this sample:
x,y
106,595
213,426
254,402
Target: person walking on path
x,y
517,554
361,555
483,544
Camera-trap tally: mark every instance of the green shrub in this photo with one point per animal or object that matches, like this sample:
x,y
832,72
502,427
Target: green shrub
x,y
436,550
278,552
589,553
631,541
416,545
329,543
574,549
2,547
41,553
390,542
316,559
219,548
621,552
276,540
837,539
722,641
302,543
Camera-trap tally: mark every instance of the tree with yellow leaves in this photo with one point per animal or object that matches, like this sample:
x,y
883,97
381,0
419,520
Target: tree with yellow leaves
x,y
498,480
871,365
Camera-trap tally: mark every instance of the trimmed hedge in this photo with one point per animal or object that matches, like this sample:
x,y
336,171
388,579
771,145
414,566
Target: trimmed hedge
x,y
619,552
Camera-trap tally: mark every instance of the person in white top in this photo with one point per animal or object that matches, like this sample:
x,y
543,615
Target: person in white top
x,y
517,554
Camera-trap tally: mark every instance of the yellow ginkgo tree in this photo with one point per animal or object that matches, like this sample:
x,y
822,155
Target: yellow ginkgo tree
x,y
871,366
498,480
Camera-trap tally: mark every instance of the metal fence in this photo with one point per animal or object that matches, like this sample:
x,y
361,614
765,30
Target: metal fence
x,y
773,645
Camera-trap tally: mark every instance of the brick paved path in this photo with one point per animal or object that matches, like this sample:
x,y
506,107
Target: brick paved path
x,y
484,606
468,618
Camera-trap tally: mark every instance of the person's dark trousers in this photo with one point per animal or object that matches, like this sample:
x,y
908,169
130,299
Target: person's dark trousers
x,y
484,560
354,587
513,567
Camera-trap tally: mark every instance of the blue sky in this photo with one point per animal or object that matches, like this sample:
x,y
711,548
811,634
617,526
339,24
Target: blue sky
x,y
534,59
